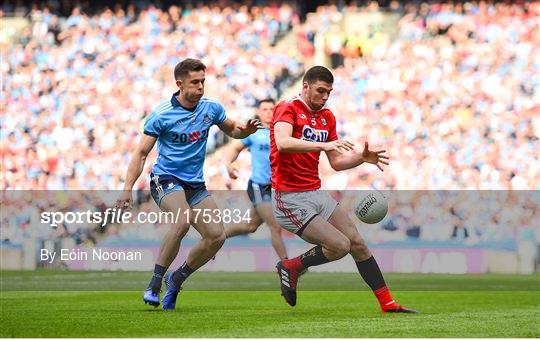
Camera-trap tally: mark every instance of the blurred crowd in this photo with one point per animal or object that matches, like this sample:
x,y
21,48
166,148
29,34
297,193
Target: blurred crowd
x,y
75,90
454,98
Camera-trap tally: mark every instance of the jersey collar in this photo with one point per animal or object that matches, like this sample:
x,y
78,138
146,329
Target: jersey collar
x,y
174,100
176,103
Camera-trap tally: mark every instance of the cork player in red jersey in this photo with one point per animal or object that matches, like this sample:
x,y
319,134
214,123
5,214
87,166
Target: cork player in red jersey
x,y
301,128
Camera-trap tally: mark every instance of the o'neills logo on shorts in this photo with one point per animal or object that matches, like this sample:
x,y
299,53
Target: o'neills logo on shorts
x,y
314,135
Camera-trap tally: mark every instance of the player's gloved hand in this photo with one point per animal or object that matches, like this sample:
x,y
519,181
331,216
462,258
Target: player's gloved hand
x,y
374,157
125,201
339,145
251,127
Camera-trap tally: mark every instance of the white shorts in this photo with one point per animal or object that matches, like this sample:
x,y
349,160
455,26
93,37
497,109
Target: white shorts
x,y
294,210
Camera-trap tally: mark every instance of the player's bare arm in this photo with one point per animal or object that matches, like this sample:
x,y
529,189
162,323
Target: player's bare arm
x,y
238,131
285,142
135,168
353,159
231,154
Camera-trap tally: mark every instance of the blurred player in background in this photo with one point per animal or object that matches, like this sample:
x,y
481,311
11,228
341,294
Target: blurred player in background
x,y
180,126
259,186
301,128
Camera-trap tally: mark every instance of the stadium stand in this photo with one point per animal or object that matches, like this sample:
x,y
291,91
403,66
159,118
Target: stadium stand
x,y
453,96
86,83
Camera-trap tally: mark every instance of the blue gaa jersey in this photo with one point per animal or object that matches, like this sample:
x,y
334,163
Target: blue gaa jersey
x,y
181,136
259,146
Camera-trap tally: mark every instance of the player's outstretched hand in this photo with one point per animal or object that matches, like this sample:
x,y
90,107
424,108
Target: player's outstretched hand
x,y
251,127
339,145
125,201
374,157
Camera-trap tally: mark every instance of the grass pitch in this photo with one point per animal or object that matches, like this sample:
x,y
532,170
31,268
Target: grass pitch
x,y
92,304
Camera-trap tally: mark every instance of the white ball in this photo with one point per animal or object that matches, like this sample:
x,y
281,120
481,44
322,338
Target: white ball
x,y
371,206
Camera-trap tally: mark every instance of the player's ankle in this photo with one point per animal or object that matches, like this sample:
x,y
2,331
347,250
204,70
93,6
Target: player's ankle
x,y
293,264
154,289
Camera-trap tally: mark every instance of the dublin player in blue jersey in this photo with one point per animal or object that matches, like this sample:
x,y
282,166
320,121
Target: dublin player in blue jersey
x,y
180,127
259,187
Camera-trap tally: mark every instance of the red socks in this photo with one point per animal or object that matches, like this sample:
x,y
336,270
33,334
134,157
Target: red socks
x,y
294,264
385,299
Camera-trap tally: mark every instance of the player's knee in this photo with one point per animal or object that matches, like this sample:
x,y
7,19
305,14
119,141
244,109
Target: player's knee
x,y
180,230
359,246
251,228
344,247
216,241
340,247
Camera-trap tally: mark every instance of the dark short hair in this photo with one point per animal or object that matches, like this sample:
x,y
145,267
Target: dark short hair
x,y
183,68
267,100
318,73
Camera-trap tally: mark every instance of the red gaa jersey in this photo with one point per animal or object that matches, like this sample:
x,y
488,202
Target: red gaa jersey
x,y
300,171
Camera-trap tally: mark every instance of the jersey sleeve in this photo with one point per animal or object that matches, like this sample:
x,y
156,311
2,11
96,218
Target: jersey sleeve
x,y
152,125
283,113
219,114
332,132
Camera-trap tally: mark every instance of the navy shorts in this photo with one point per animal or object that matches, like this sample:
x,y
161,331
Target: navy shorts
x,y
162,185
259,193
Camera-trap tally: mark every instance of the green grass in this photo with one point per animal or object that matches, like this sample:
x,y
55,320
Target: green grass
x,y
212,305
57,280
